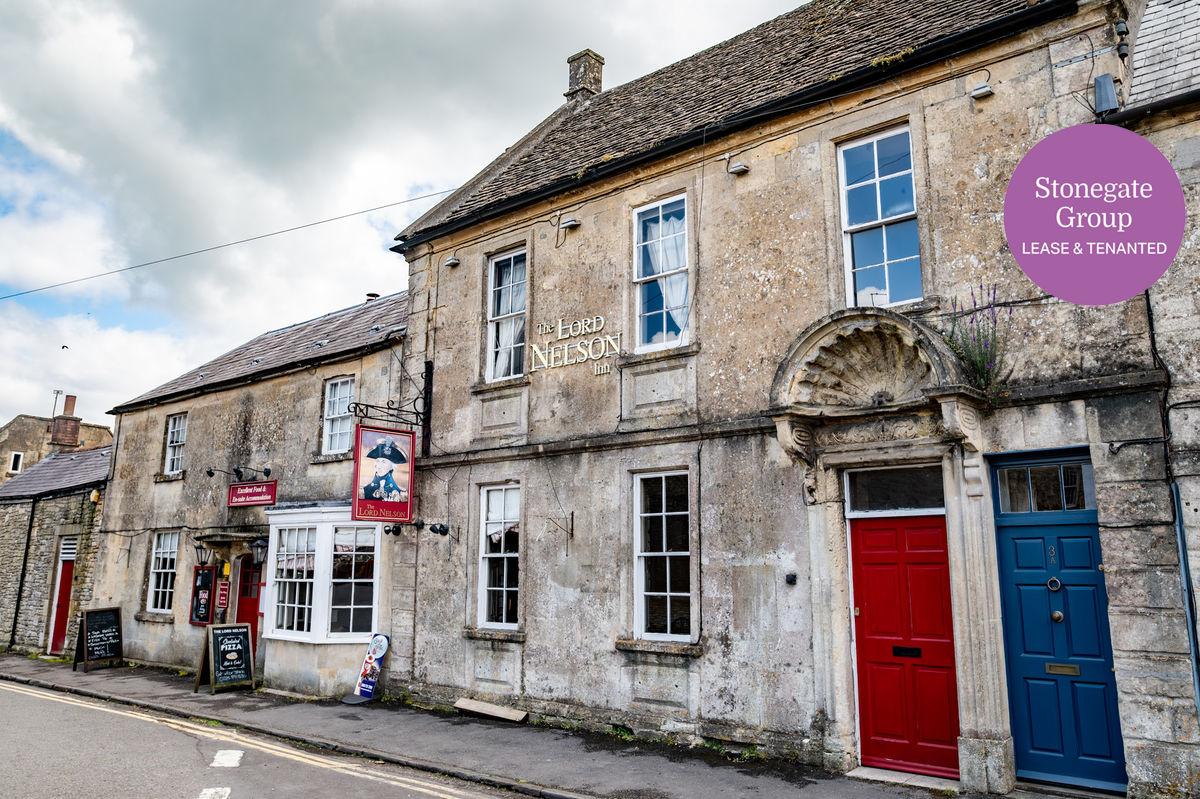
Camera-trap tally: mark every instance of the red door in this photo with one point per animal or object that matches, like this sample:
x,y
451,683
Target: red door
x,y
908,702
62,606
249,577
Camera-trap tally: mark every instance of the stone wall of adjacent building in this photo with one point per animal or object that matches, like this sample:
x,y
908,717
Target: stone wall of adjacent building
x,y
53,518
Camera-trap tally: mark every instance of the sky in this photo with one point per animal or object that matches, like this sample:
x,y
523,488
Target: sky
x,y
132,131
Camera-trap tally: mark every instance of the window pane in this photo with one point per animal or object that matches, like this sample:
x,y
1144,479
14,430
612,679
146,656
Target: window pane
x,y
894,154
513,572
495,572
681,576
1014,491
676,492
495,606
364,593
677,533
652,297
501,301
518,268
676,321
495,505
653,328
674,253
656,575
870,287
343,566
648,225
673,217
364,567
1046,488
339,620
860,163
512,503
512,536
904,280
866,247
341,593
901,240
518,297
648,260
652,534
361,622
510,607
681,615
652,494
896,195
896,489
656,614
860,205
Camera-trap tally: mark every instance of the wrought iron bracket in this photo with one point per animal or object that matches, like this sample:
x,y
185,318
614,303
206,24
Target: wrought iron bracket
x,y
410,413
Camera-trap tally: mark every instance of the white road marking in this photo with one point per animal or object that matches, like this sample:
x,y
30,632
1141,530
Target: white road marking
x,y
215,793
349,767
227,758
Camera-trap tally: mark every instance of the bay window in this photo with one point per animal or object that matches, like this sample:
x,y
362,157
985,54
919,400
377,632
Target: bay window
x,y
322,576
879,220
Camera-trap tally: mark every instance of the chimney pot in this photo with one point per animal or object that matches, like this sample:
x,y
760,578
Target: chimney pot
x,y
69,405
372,295
585,73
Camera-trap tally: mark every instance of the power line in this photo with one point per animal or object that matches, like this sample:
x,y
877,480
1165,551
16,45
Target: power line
x,y
223,246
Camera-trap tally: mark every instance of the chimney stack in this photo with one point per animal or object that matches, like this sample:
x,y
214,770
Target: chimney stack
x,y
64,428
585,73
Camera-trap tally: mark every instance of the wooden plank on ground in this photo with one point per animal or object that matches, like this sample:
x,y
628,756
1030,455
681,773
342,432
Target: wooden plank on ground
x,y
475,707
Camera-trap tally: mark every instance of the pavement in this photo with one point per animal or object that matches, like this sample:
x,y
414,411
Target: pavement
x,y
527,759
125,752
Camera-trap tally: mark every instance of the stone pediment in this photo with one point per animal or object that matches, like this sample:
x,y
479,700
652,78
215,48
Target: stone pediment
x,y
863,364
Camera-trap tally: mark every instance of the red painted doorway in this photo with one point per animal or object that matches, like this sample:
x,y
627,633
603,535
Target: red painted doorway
x,y
249,587
908,702
62,593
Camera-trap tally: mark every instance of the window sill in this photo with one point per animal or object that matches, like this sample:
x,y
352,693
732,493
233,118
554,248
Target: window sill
x,y
364,638
488,634
332,457
676,648
154,618
500,385
169,478
638,358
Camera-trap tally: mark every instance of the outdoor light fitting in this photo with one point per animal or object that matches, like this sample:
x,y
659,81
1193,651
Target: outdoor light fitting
x,y
258,551
452,262
982,90
738,168
203,553
570,223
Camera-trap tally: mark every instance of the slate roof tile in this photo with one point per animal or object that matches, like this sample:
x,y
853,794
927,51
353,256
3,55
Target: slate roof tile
x,y
59,471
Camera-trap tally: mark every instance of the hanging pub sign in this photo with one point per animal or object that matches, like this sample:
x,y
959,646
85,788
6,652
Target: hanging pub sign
x,y
383,475
99,640
227,660
201,610
367,686
259,492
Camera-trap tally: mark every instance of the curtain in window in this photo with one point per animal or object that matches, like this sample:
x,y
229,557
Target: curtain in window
x,y
502,353
674,290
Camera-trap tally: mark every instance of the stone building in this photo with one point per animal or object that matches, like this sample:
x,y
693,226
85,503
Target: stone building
x,y
712,464
49,520
27,439
276,409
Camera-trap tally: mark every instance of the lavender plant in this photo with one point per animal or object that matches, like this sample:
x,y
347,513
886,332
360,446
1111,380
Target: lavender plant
x,y
978,335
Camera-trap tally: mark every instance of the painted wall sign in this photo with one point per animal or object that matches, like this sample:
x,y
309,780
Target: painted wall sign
x,y
201,610
576,341
227,660
383,475
259,492
99,639
222,594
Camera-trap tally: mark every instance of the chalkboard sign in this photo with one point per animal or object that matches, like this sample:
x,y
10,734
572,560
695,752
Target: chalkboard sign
x,y
202,595
99,640
227,660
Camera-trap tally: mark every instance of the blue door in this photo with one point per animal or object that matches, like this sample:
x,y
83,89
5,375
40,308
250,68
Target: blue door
x,y
1061,689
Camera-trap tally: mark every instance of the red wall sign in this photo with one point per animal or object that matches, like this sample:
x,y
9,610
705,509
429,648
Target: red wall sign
x,y
261,492
383,475
222,594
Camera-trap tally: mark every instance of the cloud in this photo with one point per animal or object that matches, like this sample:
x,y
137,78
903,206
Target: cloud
x,y
159,128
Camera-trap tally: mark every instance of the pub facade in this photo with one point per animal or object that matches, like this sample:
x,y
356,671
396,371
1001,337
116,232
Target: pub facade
x,y
715,454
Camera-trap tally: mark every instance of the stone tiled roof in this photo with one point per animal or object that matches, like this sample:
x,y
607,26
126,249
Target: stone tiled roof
x,y
59,471
1166,54
822,47
364,327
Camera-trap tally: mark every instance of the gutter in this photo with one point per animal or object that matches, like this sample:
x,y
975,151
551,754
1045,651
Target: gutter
x,y
1128,117
12,637
938,50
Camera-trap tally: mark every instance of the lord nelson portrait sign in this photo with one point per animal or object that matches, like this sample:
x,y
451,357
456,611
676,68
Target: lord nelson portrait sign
x,y
383,475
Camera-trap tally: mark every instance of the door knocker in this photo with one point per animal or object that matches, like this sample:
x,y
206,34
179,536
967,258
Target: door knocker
x,y
1054,583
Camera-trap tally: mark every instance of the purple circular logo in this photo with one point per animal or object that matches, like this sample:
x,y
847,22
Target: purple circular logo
x,y
1094,214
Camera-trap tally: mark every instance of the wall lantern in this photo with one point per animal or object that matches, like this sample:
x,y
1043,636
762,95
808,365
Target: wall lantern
x,y
258,550
203,553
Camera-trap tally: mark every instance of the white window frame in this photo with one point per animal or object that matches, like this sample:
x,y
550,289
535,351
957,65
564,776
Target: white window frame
x,y
164,545
684,334
867,514
324,520
493,322
332,402
481,586
847,229
16,462
639,572
175,448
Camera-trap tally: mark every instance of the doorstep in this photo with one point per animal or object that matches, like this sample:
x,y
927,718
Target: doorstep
x,y
869,774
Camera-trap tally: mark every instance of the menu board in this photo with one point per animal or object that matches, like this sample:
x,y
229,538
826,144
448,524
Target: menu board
x,y
201,610
99,638
227,660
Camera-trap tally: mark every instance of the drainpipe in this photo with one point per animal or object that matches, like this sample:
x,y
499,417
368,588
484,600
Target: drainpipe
x,y
1189,597
12,637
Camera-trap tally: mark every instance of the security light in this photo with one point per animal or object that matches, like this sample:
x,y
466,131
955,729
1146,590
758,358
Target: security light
x,y
570,223
738,168
982,90
452,262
